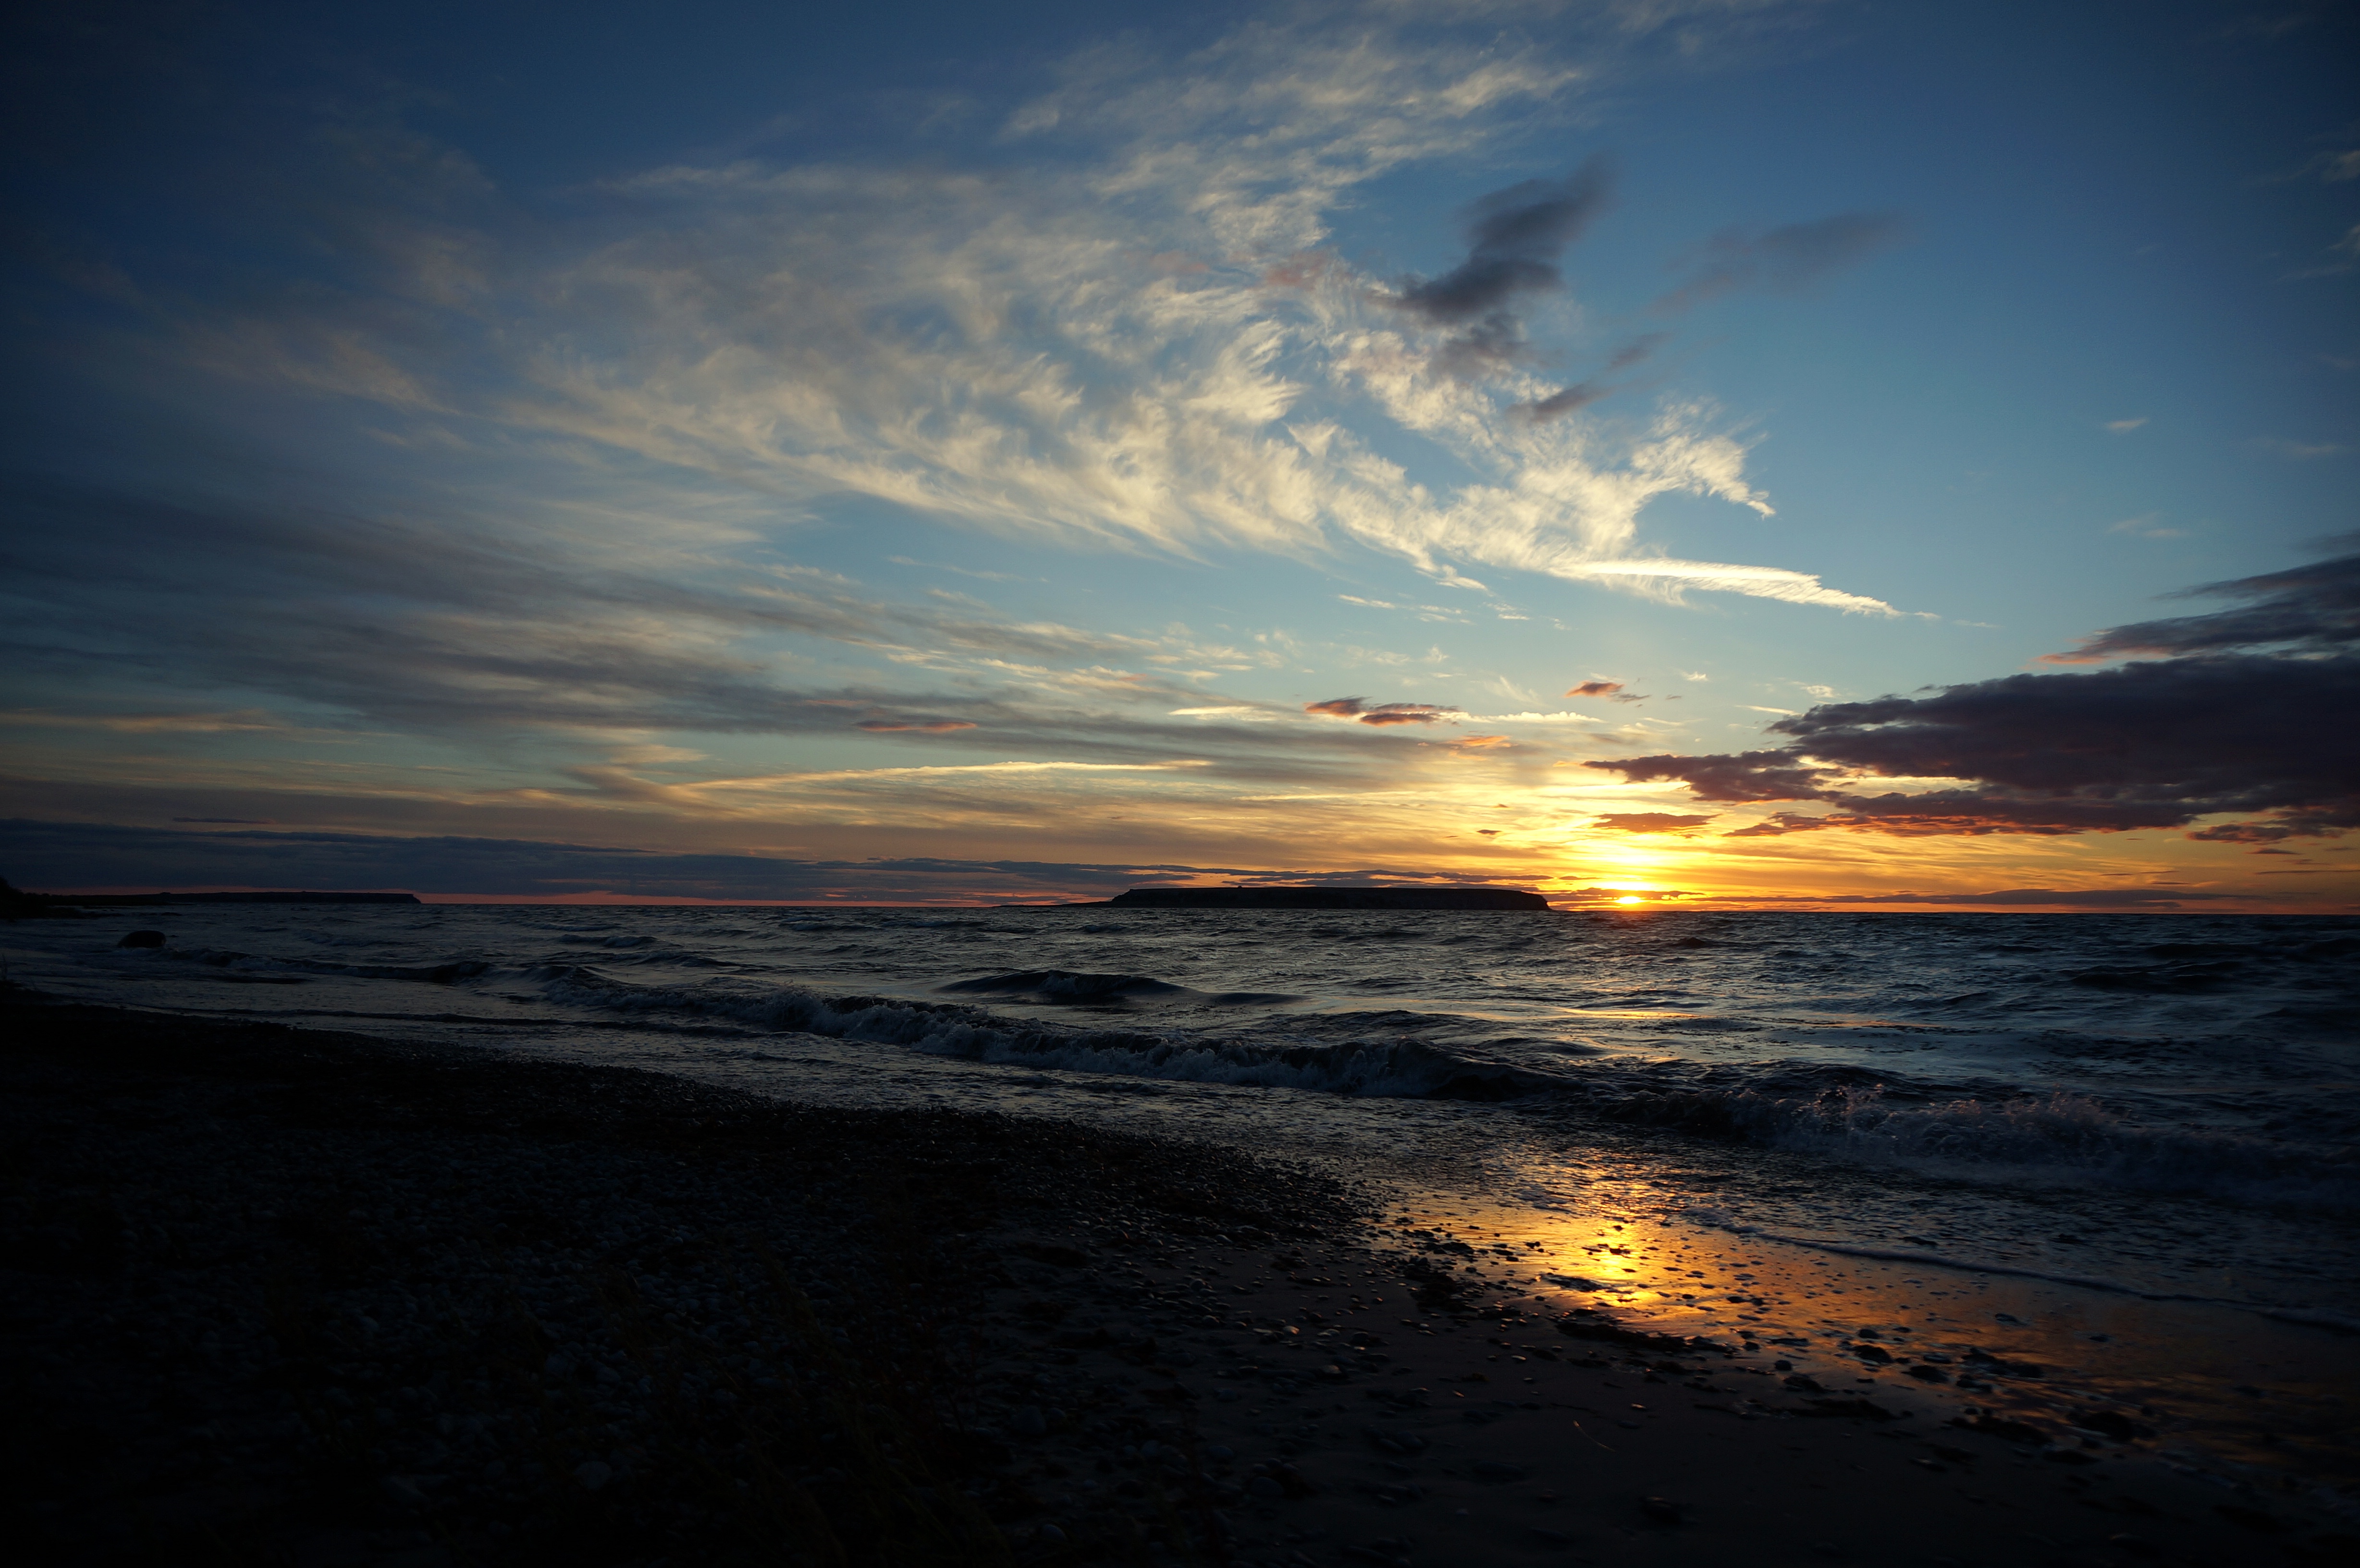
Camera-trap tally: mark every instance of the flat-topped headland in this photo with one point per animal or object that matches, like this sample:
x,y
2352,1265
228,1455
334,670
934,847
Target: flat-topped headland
x,y
1330,899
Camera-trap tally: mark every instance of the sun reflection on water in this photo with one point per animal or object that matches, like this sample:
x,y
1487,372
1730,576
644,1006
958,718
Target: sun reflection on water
x,y
1927,1341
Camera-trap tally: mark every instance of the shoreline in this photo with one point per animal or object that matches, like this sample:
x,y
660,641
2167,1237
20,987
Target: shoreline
x,y
283,1294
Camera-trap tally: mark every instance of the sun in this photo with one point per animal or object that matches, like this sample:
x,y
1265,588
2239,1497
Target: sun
x,y
1627,899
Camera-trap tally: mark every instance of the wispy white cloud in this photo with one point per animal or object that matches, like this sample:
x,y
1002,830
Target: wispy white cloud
x,y
2299,450
1134,339
1562,716
2342,255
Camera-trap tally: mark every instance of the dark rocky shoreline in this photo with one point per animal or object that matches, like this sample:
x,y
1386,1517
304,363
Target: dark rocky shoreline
x,y
278,1295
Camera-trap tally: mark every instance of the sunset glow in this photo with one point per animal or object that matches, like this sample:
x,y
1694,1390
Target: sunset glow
x,y
1325,442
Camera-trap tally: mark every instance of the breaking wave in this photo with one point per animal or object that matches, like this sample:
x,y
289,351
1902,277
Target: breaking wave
x,y
1823,1109
1064,985
1974,1123
1382,1068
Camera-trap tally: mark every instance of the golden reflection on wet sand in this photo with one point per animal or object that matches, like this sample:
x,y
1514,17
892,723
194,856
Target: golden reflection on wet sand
x,y
2204,1383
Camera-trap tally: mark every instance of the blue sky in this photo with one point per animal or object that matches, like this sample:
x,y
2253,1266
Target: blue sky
x,y
929,438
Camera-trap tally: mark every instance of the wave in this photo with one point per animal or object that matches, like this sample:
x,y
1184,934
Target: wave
x,y
1070,988
1375,1068
432,974
1836,1110
1064,985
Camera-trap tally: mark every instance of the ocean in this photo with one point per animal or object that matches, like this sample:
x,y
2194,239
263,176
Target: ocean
x,y
2167,1105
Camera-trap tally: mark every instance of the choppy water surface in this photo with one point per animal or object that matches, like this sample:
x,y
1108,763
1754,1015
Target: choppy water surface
x,y
2170,1103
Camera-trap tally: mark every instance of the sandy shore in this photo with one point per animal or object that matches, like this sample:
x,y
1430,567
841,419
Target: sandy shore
x,y
282,1296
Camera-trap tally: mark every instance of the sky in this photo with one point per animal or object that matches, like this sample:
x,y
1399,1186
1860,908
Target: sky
x,y
1723,453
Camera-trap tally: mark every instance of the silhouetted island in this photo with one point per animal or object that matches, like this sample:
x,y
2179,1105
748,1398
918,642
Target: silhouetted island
x,y
1330,899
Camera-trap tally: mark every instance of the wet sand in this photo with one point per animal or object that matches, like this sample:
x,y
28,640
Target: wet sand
x,y
276,1295
2225,1390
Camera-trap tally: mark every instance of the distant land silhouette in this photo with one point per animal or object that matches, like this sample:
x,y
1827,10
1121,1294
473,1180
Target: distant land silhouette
x,y
15,904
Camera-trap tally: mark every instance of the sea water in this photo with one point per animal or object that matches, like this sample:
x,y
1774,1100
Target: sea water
x,y
2164,1105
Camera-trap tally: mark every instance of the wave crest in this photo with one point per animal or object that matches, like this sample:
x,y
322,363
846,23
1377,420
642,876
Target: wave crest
x,y
1388,1069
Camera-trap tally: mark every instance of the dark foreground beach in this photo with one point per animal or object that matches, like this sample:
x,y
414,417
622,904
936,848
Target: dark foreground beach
x,y
281,1296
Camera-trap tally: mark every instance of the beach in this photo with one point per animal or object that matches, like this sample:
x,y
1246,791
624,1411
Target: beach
x,y
282,1294
1349,784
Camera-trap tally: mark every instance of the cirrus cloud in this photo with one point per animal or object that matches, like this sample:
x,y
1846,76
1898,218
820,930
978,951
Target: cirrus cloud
x,y
1116,343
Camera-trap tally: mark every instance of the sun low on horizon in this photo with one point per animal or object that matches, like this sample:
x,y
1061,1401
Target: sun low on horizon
x,y
1684,456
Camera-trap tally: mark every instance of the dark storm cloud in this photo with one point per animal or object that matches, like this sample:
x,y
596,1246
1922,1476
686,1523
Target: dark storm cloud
x,y
2315,606
1581,394
2148,746
1513,239
2151,744
1492,344
1381,713
1785,259
1405,714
